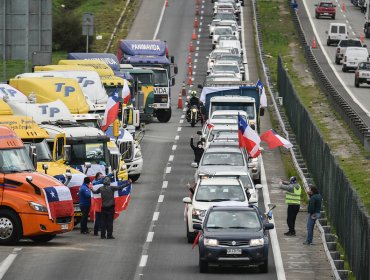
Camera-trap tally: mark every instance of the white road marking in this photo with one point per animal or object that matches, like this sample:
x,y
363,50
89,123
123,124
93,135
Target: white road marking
x,y
195,60
194,73
196,54
195,67
177,137
246,74
159,21
197,48
183,116
353,33
181,121
171,158
331,63
164,184
144,259
150,236
200,24
200,30
273,235
179,128
168,170
155,216
201,17
160,198
5,264
174,147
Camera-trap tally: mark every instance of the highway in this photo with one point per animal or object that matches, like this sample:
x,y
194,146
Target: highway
x,y
150,236
355,20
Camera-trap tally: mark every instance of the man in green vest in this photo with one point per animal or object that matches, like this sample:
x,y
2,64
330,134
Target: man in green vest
x,y
293,200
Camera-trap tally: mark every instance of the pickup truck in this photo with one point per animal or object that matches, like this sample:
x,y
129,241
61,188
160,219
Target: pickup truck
x,y
325,9
362,74
342,46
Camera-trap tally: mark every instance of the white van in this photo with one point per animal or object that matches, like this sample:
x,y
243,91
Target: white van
x,y
337,32
353,56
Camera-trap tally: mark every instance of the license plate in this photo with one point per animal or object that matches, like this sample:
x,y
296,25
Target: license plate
x,y
78,214
234,251
64,226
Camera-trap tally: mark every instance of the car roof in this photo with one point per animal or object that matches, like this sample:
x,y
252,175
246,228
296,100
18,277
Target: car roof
x,y
223,150
226,62
217,181
228,112
232,205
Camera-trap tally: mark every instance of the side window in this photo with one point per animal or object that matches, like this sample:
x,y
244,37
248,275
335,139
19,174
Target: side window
x,y
59,148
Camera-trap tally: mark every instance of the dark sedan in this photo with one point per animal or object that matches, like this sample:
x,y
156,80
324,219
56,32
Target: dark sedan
x,y
233,235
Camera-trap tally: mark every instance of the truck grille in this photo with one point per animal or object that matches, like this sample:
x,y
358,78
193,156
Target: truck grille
x,y
127,150
160,98
64,220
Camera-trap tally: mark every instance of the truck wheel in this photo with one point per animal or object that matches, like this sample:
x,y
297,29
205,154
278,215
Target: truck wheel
x,y
164,116
203,266
134,178
42,238
10,227
357,83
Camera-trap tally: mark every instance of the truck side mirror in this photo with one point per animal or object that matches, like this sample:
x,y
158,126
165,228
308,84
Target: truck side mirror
x,y
136,118
45,167
67,153
173,81
175,69
114,160
33,155
87,166
172,59
262,112
200,86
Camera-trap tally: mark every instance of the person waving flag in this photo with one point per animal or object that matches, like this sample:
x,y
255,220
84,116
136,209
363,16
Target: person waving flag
x,y
248,138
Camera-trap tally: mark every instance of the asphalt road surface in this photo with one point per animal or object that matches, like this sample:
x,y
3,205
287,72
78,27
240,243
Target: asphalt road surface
x,y
150,236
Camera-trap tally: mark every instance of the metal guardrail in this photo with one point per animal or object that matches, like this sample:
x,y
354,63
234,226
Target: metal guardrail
x,y
295,153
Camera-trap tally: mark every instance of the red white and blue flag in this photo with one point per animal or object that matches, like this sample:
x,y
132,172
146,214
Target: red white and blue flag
x,y
248,138
121,197
275,140
111,111
126,94
59,202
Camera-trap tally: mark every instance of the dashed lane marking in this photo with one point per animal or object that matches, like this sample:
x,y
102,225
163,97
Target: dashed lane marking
x,y
5,264
168,170
179,128
171,158
150,236
174,147
165,184
177,137
160,198
155,216
144,259
181,121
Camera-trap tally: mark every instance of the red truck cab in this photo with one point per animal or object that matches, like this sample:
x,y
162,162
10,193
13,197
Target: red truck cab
x,y
325,9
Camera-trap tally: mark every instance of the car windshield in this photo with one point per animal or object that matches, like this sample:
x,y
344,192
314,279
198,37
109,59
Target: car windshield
x,y
219,158
160,78
15,160
215,133
364,66
225,16
237,219
88,152
223,31
227,117
212,193
225,68
247,107
90,123
246,181
229,57
42,149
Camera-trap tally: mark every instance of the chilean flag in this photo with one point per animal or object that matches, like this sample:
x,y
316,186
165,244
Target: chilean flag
x,y
248,138
111,111
275,140
59,202
121,197
126,94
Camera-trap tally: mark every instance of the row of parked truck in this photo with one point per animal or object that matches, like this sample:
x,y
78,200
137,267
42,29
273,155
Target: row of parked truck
x,y
51,121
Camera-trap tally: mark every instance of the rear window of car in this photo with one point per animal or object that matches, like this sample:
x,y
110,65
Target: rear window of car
x,y
354,43
327,5
237,219
342,29
232,159
364,66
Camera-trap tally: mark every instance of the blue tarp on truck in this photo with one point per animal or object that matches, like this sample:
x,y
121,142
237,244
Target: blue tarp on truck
x,y
142,51
110,59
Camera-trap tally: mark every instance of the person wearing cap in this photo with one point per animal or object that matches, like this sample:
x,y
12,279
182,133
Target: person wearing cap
x,y
108,203
293,200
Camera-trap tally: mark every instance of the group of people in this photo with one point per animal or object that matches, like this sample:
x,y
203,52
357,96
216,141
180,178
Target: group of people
x,y
103,218
293,200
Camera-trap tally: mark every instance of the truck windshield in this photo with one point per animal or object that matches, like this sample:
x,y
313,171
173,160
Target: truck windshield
x,y
42,150
90,123
15,160
160,78
144,78
247,107
95,153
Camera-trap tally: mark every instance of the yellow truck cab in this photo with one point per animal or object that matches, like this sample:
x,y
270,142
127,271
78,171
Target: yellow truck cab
x,y
33,135
47,89
5,110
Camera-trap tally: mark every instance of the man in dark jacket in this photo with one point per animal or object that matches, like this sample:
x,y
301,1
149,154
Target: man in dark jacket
x,y
198,150
314,210
84,196
108,203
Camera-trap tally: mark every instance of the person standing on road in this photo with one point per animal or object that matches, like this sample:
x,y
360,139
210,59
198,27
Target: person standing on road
x,y
107,210
84,195
293,200
198,150
314,213
97,223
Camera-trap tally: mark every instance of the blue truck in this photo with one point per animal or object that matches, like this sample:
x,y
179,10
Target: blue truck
x,y
153,55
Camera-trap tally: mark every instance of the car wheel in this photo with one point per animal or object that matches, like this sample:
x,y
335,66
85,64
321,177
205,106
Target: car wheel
x,y
333,17
264,268
134,177
357,83
42,238
316,15
11,227
189,236
328,42
203,266
344,68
